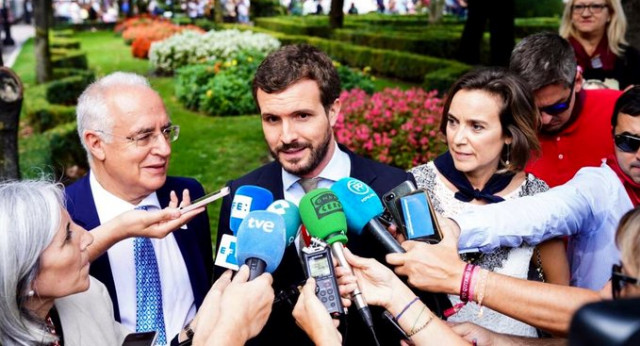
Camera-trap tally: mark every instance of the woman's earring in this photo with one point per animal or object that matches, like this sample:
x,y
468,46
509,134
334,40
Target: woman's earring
x,y
31,293
506,163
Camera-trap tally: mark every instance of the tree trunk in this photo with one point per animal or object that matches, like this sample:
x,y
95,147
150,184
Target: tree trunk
x,y
218,15
632,11
10,104
42,9
336,15
435,10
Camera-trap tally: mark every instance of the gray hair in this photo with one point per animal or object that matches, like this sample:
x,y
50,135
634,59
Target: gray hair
x,y
29,219
92,111
544,59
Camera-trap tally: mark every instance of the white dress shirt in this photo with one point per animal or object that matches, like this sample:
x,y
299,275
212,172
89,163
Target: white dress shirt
x,y
178,303
588,208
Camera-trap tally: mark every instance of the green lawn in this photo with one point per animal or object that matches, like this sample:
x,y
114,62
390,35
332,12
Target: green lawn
x,y
210,149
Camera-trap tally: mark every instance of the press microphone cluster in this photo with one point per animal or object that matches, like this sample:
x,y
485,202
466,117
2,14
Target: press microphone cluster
x,y
261,242
323,216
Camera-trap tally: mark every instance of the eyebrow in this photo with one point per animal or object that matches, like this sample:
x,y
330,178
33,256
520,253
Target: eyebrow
x,y
484,122
149,129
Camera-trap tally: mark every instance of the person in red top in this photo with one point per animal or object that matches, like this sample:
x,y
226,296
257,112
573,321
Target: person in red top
x,y
575,130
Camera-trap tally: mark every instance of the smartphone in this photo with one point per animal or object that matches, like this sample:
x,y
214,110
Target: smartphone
x,y
206,199
141,339
419,217
392,212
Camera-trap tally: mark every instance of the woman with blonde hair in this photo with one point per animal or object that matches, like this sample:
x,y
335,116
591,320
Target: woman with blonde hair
x,y
596,30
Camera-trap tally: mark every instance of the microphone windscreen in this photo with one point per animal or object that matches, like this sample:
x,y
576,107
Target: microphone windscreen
x,y
291,216
261,235
247,199
322,215
359,202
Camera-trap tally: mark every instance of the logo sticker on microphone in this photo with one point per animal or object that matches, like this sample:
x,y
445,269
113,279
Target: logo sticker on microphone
x,y
358,187
325,204
240,206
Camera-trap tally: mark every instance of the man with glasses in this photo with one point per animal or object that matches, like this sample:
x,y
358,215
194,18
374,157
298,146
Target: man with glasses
x,y
155,284
574,131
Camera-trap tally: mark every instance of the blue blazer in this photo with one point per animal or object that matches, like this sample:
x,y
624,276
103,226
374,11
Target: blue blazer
x,y
281,328
194,242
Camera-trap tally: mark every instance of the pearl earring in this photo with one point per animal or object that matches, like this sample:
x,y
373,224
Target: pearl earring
x,y
506,163
31,293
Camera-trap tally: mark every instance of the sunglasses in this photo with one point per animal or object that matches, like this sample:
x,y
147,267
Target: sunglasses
x,y
619,280
561,106
627,143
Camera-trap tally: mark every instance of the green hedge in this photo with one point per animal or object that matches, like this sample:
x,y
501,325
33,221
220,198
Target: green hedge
x,y
66,91
402,65
538,8
528,26
294,27
42,115
64,43
61,58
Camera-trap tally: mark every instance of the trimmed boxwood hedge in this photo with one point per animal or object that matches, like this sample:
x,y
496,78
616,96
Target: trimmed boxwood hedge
x,y
62,58
66,91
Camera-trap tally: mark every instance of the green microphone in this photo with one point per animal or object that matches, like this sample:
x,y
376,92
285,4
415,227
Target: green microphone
x,y
321,213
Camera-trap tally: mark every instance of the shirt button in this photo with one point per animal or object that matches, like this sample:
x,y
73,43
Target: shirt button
x,y
558,139
560,156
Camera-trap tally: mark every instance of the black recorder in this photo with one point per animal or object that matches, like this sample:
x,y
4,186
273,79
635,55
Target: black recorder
x,y
319,265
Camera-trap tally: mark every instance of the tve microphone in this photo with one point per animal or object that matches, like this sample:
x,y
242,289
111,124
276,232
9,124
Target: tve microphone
x,y
362,207
322,215
291,216
261,242
247,199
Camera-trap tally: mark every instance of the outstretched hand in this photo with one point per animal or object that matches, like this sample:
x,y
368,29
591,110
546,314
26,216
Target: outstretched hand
x,y
314,318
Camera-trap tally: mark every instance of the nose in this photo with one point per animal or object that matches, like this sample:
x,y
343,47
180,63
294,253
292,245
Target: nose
x,y
87,239
289,133
161,145
459,135
545,118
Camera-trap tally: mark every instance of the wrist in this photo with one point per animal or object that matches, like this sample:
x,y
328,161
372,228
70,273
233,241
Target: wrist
x,y
399,299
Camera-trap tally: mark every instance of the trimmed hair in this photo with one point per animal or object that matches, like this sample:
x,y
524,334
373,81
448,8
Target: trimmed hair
x,y
628,241
30,215
616,28
544,59
627,103
519,116
293,63
92,111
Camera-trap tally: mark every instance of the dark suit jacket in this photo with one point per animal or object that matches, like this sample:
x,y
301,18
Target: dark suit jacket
x,y
281,328
194,242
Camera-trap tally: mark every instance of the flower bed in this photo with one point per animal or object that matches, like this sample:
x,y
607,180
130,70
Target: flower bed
x,y
190,48
143,34
393,126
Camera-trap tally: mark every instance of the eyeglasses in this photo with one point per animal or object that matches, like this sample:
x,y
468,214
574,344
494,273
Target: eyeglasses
x,y
561,106
593,8
170,134
627,143
618,280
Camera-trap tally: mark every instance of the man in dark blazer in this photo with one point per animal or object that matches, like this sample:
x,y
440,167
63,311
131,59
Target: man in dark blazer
x,y
125,129
297,92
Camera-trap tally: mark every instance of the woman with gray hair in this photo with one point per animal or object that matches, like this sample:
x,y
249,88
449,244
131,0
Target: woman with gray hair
x,y
47,296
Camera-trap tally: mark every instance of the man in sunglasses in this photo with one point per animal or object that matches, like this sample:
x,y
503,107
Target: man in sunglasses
x,y
155,284
574,132
588,208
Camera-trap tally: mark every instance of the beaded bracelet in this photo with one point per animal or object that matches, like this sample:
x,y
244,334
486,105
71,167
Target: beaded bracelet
x,y
482,286
406,308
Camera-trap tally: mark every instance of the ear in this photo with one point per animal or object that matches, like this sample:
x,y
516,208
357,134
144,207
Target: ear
x,y
579,80
94,144
334,111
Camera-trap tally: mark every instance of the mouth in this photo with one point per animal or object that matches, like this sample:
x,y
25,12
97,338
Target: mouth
x,y
460,155
292,153
157,168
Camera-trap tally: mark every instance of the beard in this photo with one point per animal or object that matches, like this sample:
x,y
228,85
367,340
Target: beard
x,y
300,167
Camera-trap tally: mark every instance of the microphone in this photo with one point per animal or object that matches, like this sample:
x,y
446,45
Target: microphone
x,y
291,216
247,199
362,207
322,214
261,242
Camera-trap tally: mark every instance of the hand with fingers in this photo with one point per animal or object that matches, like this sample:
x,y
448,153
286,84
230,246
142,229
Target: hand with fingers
x,y
433,268
244,307
314,318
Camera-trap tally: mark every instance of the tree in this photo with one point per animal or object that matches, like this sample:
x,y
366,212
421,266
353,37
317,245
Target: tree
x,y
336,15
632,11
42,13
